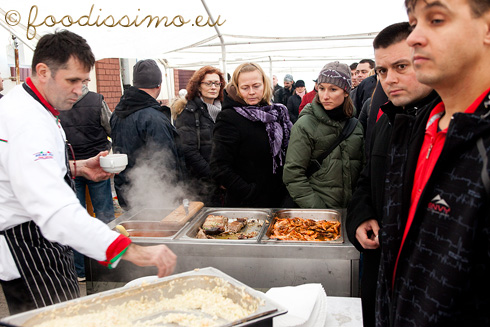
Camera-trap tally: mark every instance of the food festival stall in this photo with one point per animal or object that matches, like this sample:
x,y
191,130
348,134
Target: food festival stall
x,y
258,260
244,251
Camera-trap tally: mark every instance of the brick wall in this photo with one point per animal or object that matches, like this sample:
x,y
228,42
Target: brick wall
x,y
108,74
181,77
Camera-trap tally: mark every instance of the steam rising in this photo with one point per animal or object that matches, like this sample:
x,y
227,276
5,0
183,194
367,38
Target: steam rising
x,y
154,182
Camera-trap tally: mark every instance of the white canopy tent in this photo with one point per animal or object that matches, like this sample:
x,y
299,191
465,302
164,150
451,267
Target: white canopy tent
x,y
283,37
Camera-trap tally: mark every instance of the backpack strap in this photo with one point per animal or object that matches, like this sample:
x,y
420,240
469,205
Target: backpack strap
x,y
198,127
315,164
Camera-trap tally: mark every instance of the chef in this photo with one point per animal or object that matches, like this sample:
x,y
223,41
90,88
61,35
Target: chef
x,y
40,216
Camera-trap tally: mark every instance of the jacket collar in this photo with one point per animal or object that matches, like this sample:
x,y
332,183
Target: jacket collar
x,y
412,109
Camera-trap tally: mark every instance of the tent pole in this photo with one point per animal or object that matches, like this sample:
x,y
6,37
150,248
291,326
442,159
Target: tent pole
x,y
170,92
223,49
270,68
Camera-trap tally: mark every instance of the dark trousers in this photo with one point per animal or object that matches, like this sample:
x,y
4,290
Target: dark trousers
x,y
369,281
17,296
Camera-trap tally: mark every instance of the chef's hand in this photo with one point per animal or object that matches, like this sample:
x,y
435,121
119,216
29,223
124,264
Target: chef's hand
x,y
90,168
367,234
159,256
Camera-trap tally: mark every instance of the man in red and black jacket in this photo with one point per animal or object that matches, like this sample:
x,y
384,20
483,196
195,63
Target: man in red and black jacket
x,y
435,238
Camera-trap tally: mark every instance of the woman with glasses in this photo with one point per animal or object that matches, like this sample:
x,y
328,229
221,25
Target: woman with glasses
x,y
249,141
194,118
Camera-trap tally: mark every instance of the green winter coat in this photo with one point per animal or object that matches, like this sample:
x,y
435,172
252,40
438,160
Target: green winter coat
x,y
331,186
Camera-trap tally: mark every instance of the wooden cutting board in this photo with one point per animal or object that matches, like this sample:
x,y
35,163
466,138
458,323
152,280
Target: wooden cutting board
x,y
178,217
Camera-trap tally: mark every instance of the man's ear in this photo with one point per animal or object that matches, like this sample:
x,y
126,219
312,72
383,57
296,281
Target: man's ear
x,y
486,19
43,72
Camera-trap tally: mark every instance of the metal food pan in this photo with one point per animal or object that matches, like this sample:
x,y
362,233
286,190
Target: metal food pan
x,y
168,287
259,216
147,214
314,214
149,229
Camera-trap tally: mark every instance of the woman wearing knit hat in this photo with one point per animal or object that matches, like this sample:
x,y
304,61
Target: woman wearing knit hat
x,y
250,139
318,128
194,117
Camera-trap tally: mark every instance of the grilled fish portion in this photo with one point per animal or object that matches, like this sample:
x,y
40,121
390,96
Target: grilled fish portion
x,y
214,225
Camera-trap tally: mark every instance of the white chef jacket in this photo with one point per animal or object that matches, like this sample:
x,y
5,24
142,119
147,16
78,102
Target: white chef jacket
x,y
32,185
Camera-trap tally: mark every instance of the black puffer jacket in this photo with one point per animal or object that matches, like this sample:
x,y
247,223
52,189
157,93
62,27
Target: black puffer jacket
x,y
195,127
443,271
83,127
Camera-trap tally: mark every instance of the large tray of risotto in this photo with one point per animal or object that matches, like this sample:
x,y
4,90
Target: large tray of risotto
x,y
203,297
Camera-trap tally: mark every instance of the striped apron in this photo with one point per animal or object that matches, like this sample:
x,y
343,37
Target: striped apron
x,y
46,267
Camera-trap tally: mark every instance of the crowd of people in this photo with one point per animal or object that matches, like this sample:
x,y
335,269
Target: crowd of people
x,y
401,141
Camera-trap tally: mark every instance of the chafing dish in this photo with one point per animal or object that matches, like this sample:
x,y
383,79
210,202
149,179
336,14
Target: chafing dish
x,y
205,278
257,222
314,214
146,223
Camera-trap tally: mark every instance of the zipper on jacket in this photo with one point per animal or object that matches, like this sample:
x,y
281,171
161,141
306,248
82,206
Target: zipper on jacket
x,y
430,147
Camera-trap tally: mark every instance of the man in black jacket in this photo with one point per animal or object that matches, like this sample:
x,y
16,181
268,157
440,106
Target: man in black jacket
x,y
435,239
282,95
142,130
406,96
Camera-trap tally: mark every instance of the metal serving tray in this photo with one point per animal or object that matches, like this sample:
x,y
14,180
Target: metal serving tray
x,y
149,229
260,216
146,223
205,278
314,214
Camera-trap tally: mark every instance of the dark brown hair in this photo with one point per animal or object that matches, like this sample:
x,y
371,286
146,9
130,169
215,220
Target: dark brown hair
x,y
478,7
57,48
196,79
391,35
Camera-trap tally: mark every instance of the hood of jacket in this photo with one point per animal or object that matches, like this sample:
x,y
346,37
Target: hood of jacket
x,y
133,100
177,107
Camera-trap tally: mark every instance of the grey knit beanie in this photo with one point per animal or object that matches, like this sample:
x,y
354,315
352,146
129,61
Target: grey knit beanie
x,y
147,74
337,74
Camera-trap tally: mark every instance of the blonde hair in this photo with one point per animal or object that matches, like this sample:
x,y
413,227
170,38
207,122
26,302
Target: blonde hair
x,y
251,67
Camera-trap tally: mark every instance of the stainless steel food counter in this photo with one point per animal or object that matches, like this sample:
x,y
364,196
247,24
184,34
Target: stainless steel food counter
x,y
257,262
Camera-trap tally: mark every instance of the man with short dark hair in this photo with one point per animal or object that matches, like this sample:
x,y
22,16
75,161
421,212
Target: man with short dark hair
x,y
41,218
406,97
141,129
366,84
363,68
353,68
435,240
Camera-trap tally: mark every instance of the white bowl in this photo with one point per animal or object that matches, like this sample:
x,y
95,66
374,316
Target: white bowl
x,y
114,163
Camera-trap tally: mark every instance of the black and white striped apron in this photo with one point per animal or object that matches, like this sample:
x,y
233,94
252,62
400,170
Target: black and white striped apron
x,y
46,267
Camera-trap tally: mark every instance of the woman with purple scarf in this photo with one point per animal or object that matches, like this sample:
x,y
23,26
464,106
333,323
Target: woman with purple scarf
x,y
250,139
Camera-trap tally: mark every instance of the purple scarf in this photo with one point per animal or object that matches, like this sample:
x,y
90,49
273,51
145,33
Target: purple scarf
x,y
277,125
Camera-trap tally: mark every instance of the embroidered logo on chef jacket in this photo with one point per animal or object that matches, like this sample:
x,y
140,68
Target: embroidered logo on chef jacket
x,y
43,155
439,205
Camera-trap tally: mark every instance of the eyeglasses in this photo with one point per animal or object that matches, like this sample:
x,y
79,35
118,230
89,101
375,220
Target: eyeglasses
x,y
209,84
